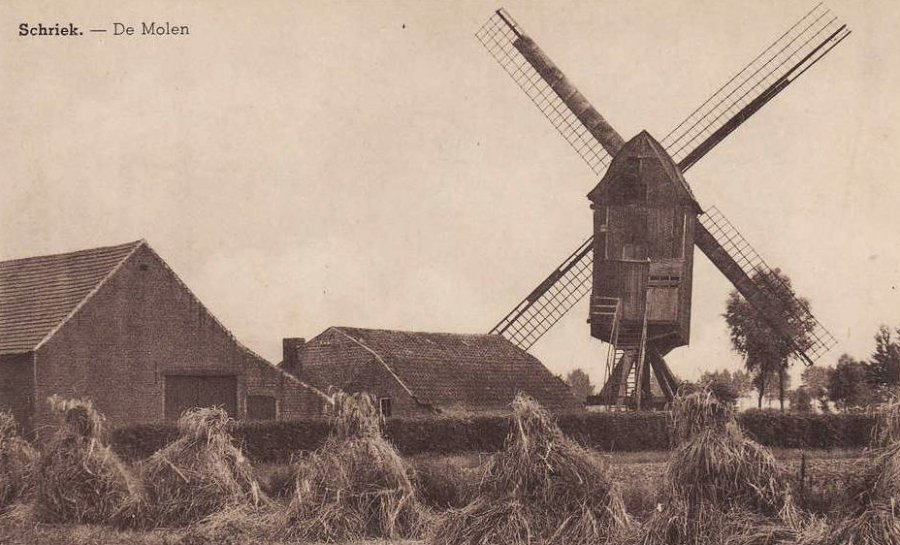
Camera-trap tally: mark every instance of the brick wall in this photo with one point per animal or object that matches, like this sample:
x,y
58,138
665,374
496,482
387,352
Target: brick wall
x,y
334,360
330,359
375,379
17,388
140,326
292,399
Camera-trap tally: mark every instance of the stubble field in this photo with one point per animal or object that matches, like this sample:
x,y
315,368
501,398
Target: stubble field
x,y
442,480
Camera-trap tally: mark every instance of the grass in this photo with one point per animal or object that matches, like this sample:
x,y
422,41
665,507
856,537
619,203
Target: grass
x,y
637,472
874,520
83,534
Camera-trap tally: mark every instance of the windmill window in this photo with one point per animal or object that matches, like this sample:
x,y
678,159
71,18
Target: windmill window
x,y
665,280
384,406
633,166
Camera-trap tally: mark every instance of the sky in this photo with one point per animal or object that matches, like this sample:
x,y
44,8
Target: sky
x,y
308,164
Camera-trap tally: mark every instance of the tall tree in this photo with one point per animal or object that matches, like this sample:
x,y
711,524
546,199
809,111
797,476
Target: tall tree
x,y
742,381
777,388
886,359
850,384
815,380
580,383
801,400
769,353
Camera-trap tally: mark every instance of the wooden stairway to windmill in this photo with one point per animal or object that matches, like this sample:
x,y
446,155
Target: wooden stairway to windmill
x,y
638,265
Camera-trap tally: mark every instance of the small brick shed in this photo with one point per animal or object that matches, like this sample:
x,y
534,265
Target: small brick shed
x,y
413,373
118,326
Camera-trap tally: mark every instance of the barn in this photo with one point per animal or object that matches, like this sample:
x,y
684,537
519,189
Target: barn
x,y
412,373
117,325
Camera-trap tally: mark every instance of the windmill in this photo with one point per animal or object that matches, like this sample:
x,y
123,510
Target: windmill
x,y
637,266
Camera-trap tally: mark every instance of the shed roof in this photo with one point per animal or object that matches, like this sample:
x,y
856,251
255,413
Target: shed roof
x,y
38,294
462,371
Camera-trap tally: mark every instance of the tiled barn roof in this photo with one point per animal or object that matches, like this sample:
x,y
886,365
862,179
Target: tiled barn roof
x,y
467,372
38,294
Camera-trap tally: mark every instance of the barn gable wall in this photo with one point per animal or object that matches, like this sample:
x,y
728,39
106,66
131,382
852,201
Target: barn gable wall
x,y
17,388
331,359
140,326
375,379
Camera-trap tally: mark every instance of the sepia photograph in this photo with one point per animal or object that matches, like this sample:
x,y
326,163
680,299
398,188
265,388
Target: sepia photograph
x,y
450,273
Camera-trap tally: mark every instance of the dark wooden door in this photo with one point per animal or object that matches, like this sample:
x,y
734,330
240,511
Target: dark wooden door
x,y
185,392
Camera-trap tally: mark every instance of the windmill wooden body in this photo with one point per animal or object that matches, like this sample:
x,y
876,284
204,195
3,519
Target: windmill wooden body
x,y
638,265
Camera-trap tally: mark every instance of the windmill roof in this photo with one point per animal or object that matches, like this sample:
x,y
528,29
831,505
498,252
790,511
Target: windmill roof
x,y
645,143
38,294
464,371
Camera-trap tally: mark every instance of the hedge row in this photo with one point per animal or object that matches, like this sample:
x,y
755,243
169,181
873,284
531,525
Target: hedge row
x,y
277,441
789,430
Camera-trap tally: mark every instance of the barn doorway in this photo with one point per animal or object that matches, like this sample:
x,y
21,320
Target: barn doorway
x,y
185,392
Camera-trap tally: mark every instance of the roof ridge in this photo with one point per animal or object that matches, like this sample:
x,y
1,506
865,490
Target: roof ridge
x,y
670,164
406,331
36,258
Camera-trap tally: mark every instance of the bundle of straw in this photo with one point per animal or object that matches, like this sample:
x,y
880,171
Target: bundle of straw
x,y
877,520
199,474
16,462
542,488
719,484
78,477
356,485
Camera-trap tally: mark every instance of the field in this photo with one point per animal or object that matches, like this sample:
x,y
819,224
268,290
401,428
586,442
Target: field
x,y
823,491
543,487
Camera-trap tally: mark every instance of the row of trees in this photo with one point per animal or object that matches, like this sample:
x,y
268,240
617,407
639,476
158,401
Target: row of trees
x,y
769,354
854,384
850,385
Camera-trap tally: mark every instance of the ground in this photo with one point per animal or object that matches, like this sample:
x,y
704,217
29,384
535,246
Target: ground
x,y
825,492
97,535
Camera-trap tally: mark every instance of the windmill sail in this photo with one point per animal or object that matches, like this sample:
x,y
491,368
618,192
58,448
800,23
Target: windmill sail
x,y
548,302
804,44
792,54
755,280
560,102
